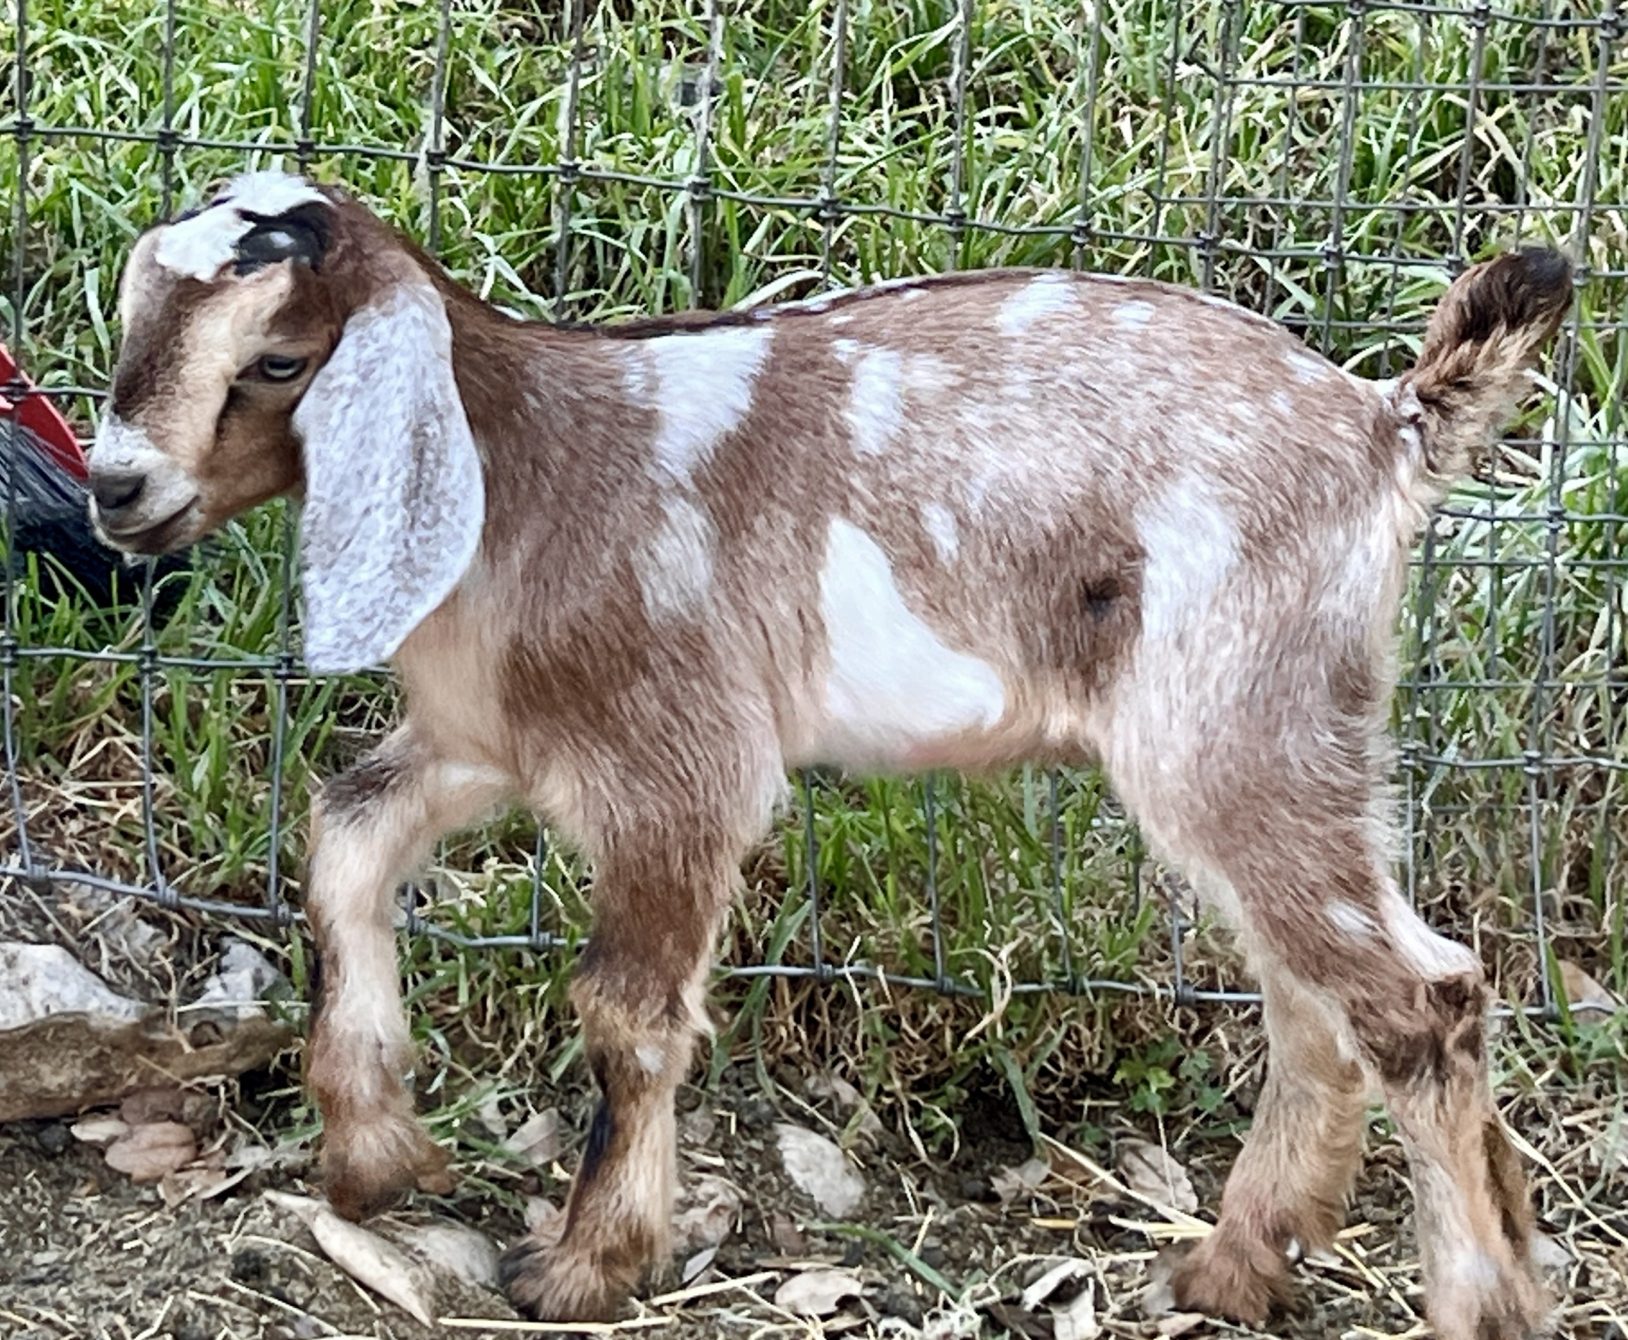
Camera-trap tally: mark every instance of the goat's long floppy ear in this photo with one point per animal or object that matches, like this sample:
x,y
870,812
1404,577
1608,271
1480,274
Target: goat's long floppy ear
x,y
394,497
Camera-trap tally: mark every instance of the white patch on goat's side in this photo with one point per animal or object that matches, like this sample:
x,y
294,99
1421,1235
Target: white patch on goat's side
x,y
1044,296
1283,403
703,389
939,523
1349,919
201,246
876,403
1433,956
1133,315
1191,544
892,683
1306,366
675,567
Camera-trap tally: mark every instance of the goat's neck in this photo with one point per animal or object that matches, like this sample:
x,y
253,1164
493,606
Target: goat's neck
x,y
541,403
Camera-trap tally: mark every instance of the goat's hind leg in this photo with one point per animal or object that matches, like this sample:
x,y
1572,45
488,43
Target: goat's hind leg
x,y
1321,911
369,825
1289,1186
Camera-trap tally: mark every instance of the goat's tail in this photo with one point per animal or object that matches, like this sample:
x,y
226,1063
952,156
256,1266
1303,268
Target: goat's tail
x,y
1484,334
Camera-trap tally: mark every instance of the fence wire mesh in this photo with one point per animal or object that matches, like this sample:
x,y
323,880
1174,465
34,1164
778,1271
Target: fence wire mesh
x,y
1327,164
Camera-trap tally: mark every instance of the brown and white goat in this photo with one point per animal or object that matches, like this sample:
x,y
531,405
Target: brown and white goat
x,y
630,576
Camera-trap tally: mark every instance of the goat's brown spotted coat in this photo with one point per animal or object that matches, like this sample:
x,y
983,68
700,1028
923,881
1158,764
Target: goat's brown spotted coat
x,y
963,522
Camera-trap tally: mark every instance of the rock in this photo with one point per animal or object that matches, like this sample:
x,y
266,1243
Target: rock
x,y
68,1041
37,981
239,988
820,1168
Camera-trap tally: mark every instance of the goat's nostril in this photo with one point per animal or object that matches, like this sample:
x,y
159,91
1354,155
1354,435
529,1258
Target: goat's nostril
x,y
116,489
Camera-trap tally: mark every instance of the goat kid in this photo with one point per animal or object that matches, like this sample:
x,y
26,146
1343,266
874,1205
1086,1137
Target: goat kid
x,y
629,576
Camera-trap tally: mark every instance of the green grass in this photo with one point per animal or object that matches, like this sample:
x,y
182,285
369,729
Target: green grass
x,y
1243,102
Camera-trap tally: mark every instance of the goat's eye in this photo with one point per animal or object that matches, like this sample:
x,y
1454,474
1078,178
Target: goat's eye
x,y
279,368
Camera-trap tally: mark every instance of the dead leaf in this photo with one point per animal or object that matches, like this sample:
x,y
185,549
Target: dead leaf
x,y
697,1266
464,1253
1150,1171
817,1293
537,1141
1549,1253
1053,1282
363,1255
145,1106
711,1206
194,1184
1179,1323
1077,1320
99,1131
146,1153
820,1168
1581,989
785,1235
1067,1294
545,1221
864,1123
1010,1183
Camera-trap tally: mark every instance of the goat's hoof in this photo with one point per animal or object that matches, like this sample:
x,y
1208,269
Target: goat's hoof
x,y
1227,1276
369,1169
553,1283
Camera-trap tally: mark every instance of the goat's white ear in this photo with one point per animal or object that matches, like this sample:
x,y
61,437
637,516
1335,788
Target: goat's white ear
x,y
394,497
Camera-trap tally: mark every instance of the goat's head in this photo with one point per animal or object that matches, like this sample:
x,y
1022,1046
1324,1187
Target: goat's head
x,y
282,339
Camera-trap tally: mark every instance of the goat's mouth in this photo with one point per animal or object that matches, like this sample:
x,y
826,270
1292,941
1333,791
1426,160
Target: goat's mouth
x,y
163,536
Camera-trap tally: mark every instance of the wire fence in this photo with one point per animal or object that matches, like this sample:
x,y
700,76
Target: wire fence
x,y
1328,164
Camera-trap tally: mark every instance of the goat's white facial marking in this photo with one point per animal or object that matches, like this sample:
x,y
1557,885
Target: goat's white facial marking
x,y
675,568
876,404
893,683
1191,545
1133,315
167,491
1042,298
702,390
939,522
201,246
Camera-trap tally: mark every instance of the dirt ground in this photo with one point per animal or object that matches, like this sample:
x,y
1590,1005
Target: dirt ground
x,y
939,1251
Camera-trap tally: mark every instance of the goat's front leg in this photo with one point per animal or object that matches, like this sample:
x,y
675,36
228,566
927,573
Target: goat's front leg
x,y
369,826
658,902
